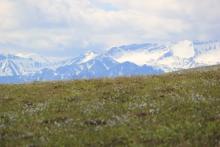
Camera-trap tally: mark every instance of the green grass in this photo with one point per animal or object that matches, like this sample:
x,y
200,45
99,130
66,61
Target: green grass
x,y
179,109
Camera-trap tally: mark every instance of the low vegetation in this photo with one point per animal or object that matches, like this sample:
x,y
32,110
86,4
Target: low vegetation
x,y
177,109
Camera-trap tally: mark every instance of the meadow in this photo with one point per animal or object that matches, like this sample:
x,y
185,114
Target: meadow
x,y
174,109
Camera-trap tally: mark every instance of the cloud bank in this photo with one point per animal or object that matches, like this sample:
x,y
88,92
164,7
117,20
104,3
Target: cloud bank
x,y
69,27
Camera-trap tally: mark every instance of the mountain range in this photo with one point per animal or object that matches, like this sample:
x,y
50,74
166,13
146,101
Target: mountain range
x,y
127,60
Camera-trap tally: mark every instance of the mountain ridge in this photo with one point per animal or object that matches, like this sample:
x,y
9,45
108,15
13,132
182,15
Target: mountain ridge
x,y
126,60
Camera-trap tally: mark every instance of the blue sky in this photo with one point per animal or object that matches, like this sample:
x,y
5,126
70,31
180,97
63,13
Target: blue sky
x,y
70,27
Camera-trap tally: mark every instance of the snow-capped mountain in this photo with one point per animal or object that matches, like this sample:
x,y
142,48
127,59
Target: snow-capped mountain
x,y
99,66
21,65
127,60
169,56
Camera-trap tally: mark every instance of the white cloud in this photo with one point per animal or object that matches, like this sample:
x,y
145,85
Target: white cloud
x,y
70,25
8,15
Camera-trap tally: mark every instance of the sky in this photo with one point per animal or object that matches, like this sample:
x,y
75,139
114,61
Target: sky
x,y
71,27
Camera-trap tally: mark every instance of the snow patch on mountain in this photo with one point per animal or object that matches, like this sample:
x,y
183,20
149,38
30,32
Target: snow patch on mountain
x,y
183,49
88,56
211,57
33,57
141,58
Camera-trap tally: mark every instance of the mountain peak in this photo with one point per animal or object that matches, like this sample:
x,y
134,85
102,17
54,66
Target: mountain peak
x,y
88,56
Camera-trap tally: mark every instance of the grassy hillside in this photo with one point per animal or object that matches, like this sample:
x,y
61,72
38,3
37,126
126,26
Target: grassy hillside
x,y
179,109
